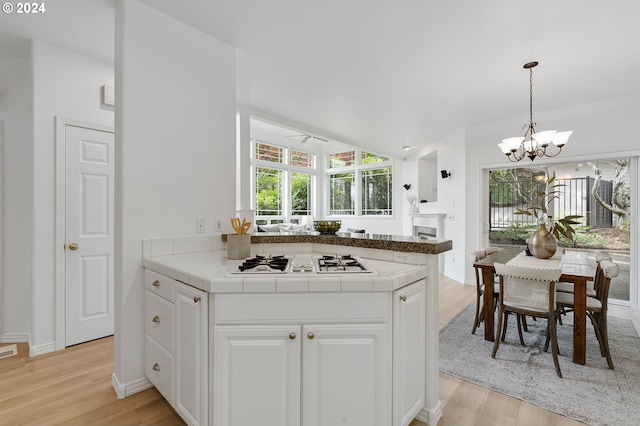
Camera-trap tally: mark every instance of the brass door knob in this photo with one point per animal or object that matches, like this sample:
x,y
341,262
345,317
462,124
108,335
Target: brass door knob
x,y
155,367
403,298
311,335
292,336
73,246
156,319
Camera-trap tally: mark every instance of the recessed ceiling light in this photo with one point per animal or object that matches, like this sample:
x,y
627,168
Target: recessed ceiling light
x,y
407,147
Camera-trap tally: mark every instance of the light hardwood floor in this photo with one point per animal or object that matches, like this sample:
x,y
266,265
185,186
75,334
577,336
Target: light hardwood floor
x,y
73,387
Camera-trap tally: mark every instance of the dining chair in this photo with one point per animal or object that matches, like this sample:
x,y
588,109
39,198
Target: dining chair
x,y
567,287
531,292
480,287
596,306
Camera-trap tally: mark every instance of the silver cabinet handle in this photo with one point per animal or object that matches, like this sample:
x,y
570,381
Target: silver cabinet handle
x,y
156,319
196,299
156,283
311,335
155,367
292,336
403,298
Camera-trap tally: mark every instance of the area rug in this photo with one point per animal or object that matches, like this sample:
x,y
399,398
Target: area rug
x,y
590,393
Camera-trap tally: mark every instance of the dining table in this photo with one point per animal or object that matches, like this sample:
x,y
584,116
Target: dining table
x,y
575,267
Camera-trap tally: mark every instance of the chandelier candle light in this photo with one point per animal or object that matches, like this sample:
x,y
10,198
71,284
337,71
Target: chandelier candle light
x,y
519,147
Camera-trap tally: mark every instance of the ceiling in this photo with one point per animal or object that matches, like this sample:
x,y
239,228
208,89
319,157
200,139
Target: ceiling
x,y
381,75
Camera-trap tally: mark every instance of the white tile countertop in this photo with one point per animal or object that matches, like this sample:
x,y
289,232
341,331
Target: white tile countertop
x,y
208,271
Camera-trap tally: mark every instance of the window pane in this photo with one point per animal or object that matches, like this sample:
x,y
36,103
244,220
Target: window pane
x,y
377,191
301,159
342,159
266,152
368,158
268,192
300,194
341,186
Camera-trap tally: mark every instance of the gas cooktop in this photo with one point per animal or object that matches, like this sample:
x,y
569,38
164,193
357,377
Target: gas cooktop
x,y
300,264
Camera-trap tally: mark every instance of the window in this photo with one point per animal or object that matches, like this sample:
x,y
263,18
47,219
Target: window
x,y
341,189
377,191
300,194
283,182
360,183
268,192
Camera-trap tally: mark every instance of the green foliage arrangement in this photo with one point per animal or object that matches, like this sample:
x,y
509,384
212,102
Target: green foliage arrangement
x,y
559,227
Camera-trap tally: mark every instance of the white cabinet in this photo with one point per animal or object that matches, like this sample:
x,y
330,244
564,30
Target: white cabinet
x,y
341,373
346,372
191,354
409,380
177,345
302,359
159,323
257,375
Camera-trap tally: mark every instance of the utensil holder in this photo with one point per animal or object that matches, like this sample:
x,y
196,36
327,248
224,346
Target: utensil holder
x,y
238,246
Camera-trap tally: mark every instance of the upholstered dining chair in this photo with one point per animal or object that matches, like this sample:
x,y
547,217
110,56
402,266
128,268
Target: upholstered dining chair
x,y
531,292
596,306
480,287
568,287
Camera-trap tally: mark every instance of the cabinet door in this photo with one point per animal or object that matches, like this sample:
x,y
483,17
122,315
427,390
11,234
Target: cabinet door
x,y
408,353
256,375
346,375
191,354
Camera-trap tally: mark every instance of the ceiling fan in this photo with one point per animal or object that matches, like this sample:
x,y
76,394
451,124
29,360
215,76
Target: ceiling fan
x,y
306,138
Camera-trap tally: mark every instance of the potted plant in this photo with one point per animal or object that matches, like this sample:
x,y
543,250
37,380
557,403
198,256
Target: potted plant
x,y
543,241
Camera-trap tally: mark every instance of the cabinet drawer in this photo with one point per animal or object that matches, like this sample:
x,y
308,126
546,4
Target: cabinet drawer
x,y
159,320
370,308
158,367
159,284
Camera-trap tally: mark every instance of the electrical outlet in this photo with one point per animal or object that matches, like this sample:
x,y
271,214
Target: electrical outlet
x,y
199,225
400,257
218,224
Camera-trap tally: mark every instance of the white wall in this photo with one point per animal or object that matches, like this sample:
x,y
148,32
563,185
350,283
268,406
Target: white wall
x,y
175,148
17,199
452,197
65,84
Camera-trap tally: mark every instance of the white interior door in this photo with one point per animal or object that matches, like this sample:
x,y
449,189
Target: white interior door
x,y
89,193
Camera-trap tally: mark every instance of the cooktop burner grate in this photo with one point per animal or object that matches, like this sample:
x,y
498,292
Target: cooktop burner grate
x,y
337,264
264,264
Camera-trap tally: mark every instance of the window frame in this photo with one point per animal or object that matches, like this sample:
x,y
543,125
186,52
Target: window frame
x,y
287,170
357,168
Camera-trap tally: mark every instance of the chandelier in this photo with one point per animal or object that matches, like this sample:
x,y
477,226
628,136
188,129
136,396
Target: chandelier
x,y
533,144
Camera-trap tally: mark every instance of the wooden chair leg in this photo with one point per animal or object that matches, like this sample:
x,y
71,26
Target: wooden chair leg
x,y
519,321
476,320
496,343
605,340
525,327
554,345
504,330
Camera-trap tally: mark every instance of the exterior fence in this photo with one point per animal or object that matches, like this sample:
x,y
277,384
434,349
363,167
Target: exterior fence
x,y
574,198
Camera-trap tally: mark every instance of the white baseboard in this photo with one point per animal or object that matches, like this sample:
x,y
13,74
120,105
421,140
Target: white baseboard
x,y
42,349
15,338
127,389
431,417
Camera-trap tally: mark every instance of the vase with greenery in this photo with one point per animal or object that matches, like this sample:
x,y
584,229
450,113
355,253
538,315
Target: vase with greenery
x,y
543,241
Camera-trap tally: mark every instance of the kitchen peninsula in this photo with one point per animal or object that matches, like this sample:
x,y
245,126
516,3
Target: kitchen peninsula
x,y
285,347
